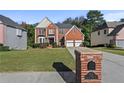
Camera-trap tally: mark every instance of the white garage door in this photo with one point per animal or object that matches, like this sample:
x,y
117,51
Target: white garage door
x,y
120,43
69,43
78,43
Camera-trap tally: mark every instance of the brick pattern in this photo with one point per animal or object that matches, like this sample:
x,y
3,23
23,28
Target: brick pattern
x,y
82,70
74,34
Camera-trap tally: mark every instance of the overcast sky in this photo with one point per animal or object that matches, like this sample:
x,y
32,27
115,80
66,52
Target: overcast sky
x,y
34,16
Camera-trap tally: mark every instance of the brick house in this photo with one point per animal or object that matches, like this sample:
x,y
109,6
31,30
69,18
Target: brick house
x,y
63,34
109,33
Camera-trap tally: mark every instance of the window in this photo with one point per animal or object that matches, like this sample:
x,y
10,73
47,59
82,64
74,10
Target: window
x,y
41,40
61,31
51,31
98,32
105,31
41,31
91,65
18,32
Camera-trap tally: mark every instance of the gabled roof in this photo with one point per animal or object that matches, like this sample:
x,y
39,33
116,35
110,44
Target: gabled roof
x,y
116,30
114,24
61,25
9,22
44,23
109,25
74,26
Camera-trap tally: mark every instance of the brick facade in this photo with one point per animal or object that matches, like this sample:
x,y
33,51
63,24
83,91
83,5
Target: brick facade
x,y
88,66
74,34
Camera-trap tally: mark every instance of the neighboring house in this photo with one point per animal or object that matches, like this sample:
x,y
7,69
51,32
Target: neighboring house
x,y
11,34
109,33
63,34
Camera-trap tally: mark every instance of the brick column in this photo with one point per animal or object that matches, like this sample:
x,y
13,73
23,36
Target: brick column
x,y
88,65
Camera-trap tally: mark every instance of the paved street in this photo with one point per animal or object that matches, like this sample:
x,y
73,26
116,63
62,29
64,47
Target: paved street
x,y
112,72
112,67
37,77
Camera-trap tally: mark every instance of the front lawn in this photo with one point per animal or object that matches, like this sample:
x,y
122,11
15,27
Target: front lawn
x,y
34,60
111,50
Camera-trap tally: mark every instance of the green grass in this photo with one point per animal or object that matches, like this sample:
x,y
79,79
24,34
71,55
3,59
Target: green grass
x,y
111,50
34,60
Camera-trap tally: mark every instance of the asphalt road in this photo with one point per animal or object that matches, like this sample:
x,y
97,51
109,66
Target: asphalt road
x,y
112,67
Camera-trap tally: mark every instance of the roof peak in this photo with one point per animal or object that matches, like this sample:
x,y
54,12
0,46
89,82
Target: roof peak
x,y
44,23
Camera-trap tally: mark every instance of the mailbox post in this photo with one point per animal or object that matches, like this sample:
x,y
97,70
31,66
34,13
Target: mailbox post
x,y
88,65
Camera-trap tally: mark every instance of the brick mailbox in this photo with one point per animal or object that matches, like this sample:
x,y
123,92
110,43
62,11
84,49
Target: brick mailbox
x,y
88,65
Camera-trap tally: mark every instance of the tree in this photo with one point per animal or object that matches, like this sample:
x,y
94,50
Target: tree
x,y
78,21
94,19
30,32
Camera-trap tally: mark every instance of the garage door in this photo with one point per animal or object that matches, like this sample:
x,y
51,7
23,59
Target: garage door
x,y
120,43
69,43
78,43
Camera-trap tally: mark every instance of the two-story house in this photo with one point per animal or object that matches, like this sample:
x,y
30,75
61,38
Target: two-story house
x,y
109,33
63,34
12,34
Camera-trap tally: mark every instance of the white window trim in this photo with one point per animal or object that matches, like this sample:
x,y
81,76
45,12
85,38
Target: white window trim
x,y
42,39
51,31
18,32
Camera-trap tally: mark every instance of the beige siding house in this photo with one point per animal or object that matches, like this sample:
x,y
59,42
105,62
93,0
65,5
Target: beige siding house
x,y
109,33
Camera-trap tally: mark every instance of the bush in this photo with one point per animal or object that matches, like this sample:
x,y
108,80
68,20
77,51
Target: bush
x,y
54,45
44,45
1,44
111,46
86,43
37,45
4,48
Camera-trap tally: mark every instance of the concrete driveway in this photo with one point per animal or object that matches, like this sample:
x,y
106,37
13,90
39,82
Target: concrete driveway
x,y
112,67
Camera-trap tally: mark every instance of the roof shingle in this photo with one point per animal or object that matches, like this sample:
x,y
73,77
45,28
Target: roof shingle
x,y
9,22
116,30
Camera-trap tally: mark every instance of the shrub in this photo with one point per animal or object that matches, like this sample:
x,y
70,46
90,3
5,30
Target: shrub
x,y
86,43
54,45
37,45
44,45
1,44
111,46
4,48
40,45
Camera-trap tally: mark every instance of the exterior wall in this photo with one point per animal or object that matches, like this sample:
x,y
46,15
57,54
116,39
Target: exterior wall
x,y
120,35
37,33
55,30
62,34
1,33
110,30
47,35
120,39
100,39
13,41
74,34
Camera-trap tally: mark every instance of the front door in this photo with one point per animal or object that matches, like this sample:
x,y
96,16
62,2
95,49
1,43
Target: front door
x,y
51,40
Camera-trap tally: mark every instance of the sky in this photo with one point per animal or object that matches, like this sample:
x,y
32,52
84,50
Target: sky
x,y
34,16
